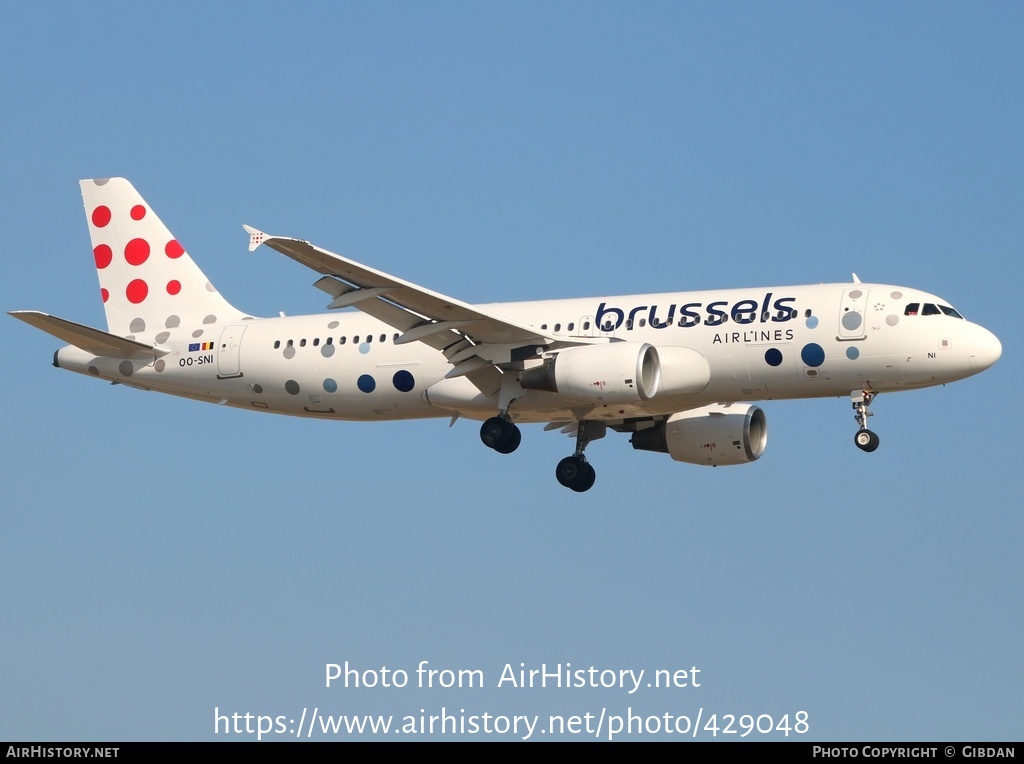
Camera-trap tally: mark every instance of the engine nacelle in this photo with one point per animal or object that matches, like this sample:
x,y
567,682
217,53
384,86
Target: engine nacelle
x,y
712,435
619,372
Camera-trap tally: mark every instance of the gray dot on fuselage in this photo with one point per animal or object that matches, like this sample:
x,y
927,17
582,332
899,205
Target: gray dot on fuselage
x,y
197,333
327,351
892,320
126,368
289,352
159,365
292,386
172,322
211,319
162,337
137,325
851,320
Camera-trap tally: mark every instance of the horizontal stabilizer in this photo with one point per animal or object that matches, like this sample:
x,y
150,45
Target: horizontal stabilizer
x,y
90,340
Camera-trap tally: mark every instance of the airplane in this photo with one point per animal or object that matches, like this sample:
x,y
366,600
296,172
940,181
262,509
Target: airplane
x,y
678,371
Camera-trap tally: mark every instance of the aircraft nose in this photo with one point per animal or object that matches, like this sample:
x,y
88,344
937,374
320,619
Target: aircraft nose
x,y
985,350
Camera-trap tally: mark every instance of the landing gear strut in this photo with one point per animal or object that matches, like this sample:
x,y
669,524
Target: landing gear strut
x,y
864,439
575,471
501,434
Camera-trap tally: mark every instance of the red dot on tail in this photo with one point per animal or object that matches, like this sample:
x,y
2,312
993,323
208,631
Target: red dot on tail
x,y
136,252
173,287
174,249
104,294
103,255
101,216
138,212
136,291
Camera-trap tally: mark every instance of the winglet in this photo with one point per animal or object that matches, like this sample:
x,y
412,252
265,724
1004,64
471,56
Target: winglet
x,y
256,237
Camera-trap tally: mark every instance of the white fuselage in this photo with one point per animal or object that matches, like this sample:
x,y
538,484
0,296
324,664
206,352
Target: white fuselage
x,y
758,344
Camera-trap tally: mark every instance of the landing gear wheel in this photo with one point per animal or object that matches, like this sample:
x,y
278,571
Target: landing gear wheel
x,y
866,440
574,472
513,444
500,434
588,481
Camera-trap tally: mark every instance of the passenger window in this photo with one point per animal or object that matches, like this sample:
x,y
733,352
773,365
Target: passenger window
x,y
302,343
558,327
643,322
383,337
544,327
355,340
330,341
291,343
629,323
912,309
342,340
570,327
277,344
586,325
316,342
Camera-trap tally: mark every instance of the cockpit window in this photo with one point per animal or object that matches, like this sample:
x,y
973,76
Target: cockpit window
x,y
912,309
950,312
929,310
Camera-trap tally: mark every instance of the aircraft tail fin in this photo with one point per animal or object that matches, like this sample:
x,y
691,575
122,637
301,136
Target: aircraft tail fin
x,y
148,282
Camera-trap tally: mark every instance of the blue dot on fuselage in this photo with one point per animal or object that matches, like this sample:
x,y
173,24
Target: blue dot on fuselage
x,y
403,381
366,383
852,353
773,357
812,354
812,322
330,385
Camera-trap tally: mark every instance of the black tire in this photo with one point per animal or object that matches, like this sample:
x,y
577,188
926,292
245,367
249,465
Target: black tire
x,y
866,440
569,470
513,442
496,432
588,478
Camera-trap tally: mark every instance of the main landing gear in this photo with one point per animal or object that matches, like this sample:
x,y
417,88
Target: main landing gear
x,y
501,434
864,439
575,471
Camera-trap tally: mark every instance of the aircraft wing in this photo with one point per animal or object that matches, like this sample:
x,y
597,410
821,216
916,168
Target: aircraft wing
x,y
88,339
419,313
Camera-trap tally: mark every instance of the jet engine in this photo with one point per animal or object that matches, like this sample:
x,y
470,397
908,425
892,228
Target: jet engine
x,y
619,372
712,435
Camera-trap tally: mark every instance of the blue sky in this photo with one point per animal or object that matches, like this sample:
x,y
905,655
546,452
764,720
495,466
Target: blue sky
x,y
161,558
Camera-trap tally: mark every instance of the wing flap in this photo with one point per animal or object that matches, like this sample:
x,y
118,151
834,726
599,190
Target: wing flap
x,y
90,340
371,288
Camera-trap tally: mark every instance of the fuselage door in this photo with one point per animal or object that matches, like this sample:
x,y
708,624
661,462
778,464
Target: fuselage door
x,y
586,327
853,314
228,350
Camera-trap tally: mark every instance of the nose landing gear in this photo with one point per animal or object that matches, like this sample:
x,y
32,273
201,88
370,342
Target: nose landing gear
x,y
865,439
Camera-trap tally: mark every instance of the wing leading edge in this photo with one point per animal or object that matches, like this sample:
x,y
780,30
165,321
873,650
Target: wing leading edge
x,y
414,310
